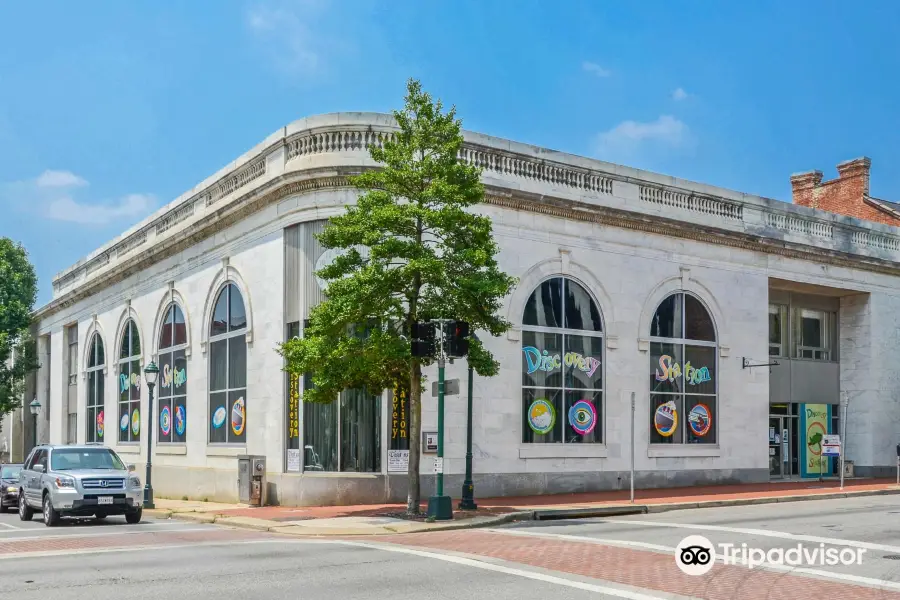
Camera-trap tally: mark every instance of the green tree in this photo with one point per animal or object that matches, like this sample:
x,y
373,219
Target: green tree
x,y
18,290
411,252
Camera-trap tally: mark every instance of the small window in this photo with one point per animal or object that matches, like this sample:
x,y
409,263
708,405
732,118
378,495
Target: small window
x,y
228,402
172,409
96,382
777,329
129,384
814,334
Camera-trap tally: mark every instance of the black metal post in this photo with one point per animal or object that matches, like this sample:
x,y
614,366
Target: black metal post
x,y
34,431
148,487
467,502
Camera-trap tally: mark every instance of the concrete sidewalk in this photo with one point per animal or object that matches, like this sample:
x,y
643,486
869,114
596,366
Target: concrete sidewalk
x,y
381,519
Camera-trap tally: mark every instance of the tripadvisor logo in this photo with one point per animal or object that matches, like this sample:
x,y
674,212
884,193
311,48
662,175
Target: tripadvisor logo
x,y
696,555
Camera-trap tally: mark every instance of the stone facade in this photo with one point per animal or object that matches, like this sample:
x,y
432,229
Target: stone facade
x,y
629,237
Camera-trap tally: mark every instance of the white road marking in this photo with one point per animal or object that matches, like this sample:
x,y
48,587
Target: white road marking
x,y
867,581
71,552
10,526
761,533
601,589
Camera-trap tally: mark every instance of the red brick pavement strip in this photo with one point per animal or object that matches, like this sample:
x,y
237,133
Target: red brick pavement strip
x,y
74,542
642,569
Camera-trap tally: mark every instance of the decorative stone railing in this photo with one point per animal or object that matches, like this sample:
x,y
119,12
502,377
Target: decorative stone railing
x,y
733,214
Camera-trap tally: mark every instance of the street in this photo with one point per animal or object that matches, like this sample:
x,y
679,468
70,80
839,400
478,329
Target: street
x,y
623,557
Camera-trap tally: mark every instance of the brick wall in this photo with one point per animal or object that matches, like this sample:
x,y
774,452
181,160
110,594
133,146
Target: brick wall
x,y
845,195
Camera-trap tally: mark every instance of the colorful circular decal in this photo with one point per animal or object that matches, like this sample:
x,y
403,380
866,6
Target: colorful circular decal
x,y
238,415
180,420
218,418
541,416
814,434
700,420
123,422
165,421
665,420
100,424
136,422
582,417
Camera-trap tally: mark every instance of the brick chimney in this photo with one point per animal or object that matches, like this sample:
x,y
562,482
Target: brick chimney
x,y
846,195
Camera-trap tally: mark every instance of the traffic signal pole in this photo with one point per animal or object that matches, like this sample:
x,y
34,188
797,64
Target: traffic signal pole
x,y
440,506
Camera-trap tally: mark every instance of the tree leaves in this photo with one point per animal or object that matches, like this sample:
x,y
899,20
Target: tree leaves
x,y
18,291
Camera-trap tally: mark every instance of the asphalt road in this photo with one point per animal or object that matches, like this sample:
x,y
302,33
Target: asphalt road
x,y
625,557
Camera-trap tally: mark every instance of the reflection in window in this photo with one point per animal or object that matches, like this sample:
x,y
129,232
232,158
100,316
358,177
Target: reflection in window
x,y
777,329
171,421
96,381
344,435
814,333
683,372
562,374
129,384
228,369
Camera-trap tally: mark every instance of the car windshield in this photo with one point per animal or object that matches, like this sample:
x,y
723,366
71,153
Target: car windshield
x,y
10,472
66,459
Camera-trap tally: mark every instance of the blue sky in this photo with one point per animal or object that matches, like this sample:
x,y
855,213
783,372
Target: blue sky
x,y
110,109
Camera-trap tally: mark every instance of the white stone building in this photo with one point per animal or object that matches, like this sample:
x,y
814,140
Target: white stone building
x,y
630,283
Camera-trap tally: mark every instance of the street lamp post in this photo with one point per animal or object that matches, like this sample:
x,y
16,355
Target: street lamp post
x,y
35,407
467,502
151,371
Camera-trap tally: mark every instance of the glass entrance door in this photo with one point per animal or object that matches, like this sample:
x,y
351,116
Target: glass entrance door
x,y
777,455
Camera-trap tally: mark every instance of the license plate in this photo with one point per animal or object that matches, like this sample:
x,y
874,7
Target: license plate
x,y
105,500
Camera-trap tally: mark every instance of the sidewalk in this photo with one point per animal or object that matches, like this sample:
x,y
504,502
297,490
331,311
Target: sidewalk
x,y
379,519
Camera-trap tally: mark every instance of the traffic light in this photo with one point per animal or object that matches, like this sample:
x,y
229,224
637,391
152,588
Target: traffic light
x,y
423,345
457,338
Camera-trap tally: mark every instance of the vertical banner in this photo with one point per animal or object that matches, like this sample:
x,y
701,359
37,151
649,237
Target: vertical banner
x,y
815,421
292,411
398,451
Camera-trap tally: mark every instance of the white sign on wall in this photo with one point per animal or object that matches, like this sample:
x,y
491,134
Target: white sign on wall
x,y
438,465
398,461
831,445
293,461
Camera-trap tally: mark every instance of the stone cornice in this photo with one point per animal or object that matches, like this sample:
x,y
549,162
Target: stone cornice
x,y
321,151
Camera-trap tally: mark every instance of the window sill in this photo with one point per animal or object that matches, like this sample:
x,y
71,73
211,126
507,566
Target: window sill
x,y
171,449
131,449
327,474
683,450
562,451
225,450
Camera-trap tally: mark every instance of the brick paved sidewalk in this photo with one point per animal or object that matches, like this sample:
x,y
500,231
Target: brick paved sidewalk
x,y
745,493
643,569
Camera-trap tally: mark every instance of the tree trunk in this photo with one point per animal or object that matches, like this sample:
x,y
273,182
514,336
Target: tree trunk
x,y
415,435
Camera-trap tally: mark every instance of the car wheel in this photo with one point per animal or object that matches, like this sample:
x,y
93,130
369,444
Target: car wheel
x,y
25,511
133,518
51,517
3,508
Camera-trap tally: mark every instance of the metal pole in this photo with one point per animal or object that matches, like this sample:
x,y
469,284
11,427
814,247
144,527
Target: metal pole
x,y
844,403
440,452
632,448
34,431
468,489
440,507
148,487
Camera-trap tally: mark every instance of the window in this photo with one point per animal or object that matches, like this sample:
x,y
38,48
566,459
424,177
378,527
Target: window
x,y
682,372
813,333
344,435
777,329
96,381
66,459
228,369
72,388
172,415
292,395
562,372
129,384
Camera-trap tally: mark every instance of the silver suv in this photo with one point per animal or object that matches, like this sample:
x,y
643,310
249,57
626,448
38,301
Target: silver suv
x,y
78,481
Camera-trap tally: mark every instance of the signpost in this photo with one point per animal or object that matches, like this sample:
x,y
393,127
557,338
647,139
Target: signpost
x,y
831,447
632,448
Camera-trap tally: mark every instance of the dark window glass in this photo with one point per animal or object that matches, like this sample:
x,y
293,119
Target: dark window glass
x,y
581,310
237,417
544,307
237,362
125,347
699,370
218,365
542,416
700,417
811,332
360,415
219,420
775,327
135,340
698,324
165,379
179,328
582,362
238,316
583,417
667,320
165,336
542,359
666,368
320,436
220,314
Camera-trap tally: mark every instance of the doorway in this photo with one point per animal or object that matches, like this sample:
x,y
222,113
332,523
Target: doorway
x,y
780,449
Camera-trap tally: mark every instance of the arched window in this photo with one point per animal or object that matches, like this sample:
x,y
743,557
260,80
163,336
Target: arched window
x,y
172,421
228,369
562,365
683,372
95,383
130,384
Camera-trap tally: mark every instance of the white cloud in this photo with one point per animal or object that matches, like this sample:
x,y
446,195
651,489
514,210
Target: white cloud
x,y
59,179
595,69
284,30
129,208
51,195
679,94
628,137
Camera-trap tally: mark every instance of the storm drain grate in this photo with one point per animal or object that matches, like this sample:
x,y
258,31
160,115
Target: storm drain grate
x,y
891,556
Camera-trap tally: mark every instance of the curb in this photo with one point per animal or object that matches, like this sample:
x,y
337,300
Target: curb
x,y
660,508
588,513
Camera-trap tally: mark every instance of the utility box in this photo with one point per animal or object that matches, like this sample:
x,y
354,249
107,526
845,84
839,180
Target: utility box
x,y
848,468
252,479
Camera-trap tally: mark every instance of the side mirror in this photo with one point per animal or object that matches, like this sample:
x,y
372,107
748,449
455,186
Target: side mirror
x,y
131,468
38,468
